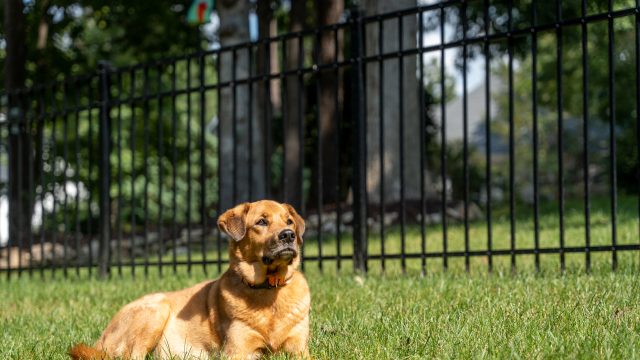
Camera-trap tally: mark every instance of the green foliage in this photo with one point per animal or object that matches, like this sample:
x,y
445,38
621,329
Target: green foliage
x,y
433,84
153,141
572,106
79,35
122,32
455,171
571,57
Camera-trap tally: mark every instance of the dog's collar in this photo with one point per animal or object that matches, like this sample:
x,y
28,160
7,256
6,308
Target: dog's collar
x,y
263,286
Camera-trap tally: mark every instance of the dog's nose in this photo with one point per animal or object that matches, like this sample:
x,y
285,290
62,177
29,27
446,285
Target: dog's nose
x,y
287,236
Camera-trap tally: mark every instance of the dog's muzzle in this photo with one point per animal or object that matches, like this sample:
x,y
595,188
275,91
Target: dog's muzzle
x,y
283,248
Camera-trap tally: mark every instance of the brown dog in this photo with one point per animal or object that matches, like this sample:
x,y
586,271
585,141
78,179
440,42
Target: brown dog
x,y
259,305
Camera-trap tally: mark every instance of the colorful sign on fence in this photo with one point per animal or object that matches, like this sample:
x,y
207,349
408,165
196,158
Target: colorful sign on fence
x,y
200,12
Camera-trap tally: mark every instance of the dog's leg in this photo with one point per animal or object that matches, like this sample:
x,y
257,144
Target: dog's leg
x,y
297,347
136,329
297,342
253,273
242,342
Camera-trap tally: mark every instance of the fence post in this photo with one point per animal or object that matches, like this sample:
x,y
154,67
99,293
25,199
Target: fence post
x,y
104,172
15,180
359,144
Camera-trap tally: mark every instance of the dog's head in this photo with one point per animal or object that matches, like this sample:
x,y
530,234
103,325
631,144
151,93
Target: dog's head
x,y
265,231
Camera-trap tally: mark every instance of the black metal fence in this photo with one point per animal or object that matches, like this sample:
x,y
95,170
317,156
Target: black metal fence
x,y
463,130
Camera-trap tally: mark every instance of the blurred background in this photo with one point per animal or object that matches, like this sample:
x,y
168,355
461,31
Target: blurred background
x,y
213,103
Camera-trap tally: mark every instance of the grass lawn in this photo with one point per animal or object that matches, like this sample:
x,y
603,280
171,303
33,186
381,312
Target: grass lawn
x,y
450,314
445,315
627,227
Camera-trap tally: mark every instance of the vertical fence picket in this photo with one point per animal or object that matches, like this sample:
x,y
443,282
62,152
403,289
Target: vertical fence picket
x,y
443,141
65,142
132,137
187,155
421,97
613,172
381,145
512,166
174,166
359,142
338,121
145,163
585,138
534,110
53,181
104,169
160,164
465,136
560,109
219,141
487,105
401,160
319,146
119,98
203,168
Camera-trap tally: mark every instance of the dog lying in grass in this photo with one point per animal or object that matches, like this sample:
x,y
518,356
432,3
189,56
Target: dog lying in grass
x,y
259,305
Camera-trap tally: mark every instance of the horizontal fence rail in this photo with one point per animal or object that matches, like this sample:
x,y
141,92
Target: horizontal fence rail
x,y
471,134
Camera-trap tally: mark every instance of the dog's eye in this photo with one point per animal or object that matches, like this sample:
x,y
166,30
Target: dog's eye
x,y
262,222
289,222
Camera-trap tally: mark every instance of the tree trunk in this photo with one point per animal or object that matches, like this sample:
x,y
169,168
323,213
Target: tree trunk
x,y
242,166
42,62
294,111
268,93
41,76
387,89
20,156
329,12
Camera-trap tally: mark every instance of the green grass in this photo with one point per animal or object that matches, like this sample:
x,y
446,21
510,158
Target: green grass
x,y
445,315
450,314
628,232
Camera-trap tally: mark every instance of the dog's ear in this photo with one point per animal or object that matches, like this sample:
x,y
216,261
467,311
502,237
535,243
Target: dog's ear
x,y
297,219
233,221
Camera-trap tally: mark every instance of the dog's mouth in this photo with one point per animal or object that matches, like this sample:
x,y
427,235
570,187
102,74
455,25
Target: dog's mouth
x,y
280,253
286,253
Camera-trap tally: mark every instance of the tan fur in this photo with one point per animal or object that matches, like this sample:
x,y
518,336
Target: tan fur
x,y
224,316
83,351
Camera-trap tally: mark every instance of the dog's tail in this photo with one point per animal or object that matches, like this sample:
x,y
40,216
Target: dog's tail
x,y
85,352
